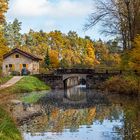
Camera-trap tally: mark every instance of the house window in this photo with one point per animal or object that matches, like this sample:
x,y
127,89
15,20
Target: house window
x,y
17,55
10,65
24,65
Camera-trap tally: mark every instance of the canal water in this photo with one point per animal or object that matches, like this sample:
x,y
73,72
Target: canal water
x,y
82,114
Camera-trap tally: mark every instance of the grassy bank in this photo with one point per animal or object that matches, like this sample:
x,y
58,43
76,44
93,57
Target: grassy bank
x,y
8,130
5,79
126,84
26,84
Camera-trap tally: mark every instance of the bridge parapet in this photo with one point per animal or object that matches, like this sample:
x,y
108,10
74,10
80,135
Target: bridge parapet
x,y
53,80
74,71
85,71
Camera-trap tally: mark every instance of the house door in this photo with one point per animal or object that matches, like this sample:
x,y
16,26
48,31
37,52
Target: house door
x,y
24,69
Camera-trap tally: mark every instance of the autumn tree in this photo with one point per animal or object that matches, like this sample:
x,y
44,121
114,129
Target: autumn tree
x,y
65,50
54,59
3,48
3,10
106,54
90,54
134,55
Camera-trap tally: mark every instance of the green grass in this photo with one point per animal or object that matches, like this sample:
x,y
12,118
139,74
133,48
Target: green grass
x,y
8,129
33,97
5,79
26,84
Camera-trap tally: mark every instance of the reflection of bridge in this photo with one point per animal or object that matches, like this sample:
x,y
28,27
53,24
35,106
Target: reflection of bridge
x,y
75,95
64,78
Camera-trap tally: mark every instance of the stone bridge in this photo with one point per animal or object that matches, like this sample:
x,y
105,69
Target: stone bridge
x,y
66,78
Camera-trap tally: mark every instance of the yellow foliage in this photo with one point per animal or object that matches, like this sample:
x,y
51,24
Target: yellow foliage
x,y
69,57
54,58
3,48
134,62
90,57
3,9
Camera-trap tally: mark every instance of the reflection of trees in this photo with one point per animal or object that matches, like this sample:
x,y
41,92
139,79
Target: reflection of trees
x,y
59,119
124,110
111,113
131,117
132,122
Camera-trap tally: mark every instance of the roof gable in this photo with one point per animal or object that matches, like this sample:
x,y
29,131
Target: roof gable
x,y
28,55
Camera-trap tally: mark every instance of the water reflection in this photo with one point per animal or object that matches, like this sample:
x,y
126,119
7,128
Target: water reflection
x,y
75,95
81,114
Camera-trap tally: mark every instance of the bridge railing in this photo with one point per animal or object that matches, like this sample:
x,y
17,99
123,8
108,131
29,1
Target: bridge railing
x,y
93,71
84,71
75,71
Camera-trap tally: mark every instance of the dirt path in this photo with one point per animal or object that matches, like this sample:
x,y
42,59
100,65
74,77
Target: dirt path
x,y
11,82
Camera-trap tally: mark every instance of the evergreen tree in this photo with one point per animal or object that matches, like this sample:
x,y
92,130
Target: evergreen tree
x,y
47,59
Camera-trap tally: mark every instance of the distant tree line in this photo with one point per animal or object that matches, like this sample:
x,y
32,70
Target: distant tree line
x,y
59,50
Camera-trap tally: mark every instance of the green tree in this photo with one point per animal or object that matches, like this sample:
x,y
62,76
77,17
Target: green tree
x,y
12,34
47,58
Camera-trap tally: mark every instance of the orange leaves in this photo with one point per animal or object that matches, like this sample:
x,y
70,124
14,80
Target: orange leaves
x,y
54,59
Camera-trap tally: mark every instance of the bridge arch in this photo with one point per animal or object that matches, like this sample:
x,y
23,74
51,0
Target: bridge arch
x,y
80,76
71,80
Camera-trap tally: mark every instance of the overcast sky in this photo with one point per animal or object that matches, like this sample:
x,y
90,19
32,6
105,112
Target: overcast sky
x,y
48,15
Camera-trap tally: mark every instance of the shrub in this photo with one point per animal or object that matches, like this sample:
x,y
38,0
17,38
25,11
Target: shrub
x,y
15,73
123,84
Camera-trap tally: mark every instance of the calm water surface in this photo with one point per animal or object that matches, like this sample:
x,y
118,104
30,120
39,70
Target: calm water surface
x,y
81,114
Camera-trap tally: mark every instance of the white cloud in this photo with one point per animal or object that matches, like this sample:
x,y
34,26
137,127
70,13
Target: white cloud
x,y
50,8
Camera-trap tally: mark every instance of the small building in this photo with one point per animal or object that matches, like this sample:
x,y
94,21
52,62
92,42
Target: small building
x,y
18,61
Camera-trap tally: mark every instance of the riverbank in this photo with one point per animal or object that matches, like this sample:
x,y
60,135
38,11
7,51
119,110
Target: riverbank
x,y
8,129
123,84
26,84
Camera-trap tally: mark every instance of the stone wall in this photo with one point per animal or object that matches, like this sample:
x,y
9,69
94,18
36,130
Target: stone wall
x,y
52,80
93,81
57,82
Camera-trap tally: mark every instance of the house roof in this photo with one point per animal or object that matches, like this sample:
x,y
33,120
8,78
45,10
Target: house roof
x,y
28,55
